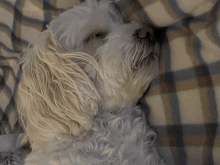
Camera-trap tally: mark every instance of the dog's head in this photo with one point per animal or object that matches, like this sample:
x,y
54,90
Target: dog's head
x,y
90,58
126,52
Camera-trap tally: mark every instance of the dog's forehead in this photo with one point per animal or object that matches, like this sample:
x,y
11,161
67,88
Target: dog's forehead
x,y
97,20
103,16
100,18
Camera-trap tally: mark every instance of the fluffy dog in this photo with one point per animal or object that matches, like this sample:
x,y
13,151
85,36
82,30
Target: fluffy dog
x,y
79,88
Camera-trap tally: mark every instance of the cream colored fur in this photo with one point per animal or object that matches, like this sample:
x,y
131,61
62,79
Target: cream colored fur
x,y
55,95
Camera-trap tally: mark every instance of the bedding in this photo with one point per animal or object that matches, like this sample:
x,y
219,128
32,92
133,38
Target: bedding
x,y
183,101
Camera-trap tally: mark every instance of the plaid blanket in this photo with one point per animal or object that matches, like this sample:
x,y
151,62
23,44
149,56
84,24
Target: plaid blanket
x,y
182,100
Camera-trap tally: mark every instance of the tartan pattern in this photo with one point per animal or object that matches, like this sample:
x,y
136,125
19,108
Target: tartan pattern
x,y
183,100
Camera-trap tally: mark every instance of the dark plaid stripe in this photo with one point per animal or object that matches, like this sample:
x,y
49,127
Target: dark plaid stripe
x,y
188,76
173,111
7,5
176,9
47,14
214,28
189,130
168,6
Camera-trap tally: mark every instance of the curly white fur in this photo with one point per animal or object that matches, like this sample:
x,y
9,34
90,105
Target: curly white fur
x,y
80,84
119,138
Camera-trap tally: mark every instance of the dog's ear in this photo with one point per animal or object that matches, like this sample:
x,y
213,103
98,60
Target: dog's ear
x,y
108,6
54,95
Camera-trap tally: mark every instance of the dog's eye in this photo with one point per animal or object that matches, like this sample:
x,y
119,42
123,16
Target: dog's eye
x,y
100,35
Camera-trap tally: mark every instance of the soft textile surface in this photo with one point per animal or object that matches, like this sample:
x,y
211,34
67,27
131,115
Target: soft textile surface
x,y
8,142
182,100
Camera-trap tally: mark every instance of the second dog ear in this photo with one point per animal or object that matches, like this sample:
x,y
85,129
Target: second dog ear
x,y
55,96
66,30
115,13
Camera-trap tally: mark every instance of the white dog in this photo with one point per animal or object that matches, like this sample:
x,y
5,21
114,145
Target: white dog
x,y
79,88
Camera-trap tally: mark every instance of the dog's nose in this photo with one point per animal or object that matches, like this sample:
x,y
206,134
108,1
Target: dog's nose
x,y
143,33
